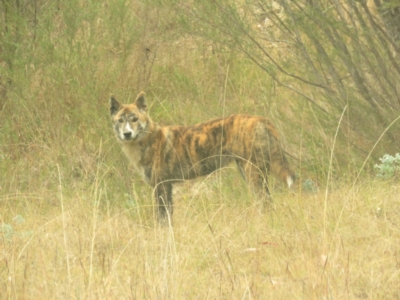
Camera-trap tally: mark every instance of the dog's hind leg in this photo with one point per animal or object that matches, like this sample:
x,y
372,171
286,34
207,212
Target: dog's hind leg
x,y
257,179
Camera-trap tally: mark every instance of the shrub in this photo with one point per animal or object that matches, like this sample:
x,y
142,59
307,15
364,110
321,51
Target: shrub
x,y
389,167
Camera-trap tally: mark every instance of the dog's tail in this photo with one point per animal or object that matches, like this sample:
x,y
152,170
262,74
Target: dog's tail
x,y
281,168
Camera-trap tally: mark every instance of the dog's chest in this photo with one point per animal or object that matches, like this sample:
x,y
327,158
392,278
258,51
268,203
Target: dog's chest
x,y
144,160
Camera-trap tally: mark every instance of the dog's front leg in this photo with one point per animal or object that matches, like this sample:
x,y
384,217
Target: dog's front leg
x,y
163,194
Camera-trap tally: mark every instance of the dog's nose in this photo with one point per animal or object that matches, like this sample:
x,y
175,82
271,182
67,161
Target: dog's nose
x,y
128,134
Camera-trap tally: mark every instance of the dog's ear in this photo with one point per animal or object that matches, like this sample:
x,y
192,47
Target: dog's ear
x,y
114,105
141,101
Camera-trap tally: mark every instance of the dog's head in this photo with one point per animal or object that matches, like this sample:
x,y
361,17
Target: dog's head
x,y
130,121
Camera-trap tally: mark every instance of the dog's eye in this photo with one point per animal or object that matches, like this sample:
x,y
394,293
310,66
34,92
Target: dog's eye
x,y
134,119
121,120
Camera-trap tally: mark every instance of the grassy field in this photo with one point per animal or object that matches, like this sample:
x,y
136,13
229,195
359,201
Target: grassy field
x,y
76,222
338,244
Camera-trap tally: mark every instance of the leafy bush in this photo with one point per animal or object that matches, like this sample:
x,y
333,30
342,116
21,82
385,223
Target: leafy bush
x,y
390,166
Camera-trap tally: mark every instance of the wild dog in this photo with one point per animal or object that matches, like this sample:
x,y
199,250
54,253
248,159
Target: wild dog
x,y
163,155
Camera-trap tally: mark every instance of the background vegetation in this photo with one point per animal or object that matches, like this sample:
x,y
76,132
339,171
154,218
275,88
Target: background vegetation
x,y
77,223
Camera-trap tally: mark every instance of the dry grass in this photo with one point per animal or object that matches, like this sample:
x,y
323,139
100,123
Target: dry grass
x,y
220,247
75,222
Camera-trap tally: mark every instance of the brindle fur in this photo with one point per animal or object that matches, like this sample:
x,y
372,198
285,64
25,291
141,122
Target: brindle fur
x,y
167,154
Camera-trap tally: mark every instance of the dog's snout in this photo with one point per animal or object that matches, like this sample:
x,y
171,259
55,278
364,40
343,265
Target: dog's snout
x,y
128,134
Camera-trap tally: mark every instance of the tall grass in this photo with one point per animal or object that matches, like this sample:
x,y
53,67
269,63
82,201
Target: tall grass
x,y
76,222
219,247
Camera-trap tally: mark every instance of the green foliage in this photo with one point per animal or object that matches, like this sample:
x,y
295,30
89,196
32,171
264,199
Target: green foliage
x,y
7,231
389,166
310,186
329,56
61,60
